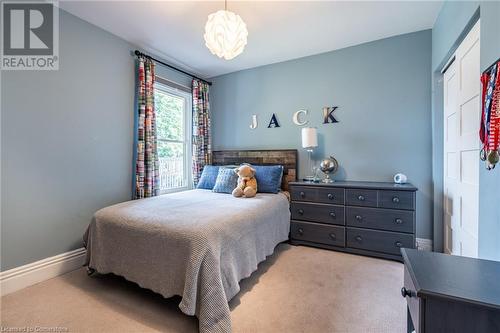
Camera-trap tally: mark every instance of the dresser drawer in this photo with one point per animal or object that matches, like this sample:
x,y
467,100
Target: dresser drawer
x,y
414,303
330,195
317,194
380,241
303,193
318,233
360,197
318,213
396,199
382,219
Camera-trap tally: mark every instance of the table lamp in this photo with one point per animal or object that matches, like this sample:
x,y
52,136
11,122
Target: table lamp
x,y
309,142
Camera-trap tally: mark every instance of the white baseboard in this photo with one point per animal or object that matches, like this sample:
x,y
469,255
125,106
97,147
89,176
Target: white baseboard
x,y
424,244
24,276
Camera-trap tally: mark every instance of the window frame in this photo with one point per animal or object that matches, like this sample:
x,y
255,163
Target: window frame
x,y
188,161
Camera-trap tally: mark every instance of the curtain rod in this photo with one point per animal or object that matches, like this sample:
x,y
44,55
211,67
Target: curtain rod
x,y
140,54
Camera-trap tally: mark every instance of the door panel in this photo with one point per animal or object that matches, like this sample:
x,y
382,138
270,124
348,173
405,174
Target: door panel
x,y
452,135
450,156
469,166
461,148
470,118
451,161
468,55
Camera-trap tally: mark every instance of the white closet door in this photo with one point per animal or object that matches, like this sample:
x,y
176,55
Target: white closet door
x,y
462,113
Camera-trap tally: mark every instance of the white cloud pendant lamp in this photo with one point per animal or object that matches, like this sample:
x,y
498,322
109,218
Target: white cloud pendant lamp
x,y
225,34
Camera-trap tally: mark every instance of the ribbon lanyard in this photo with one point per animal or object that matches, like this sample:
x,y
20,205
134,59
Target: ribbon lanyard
x,y
490,135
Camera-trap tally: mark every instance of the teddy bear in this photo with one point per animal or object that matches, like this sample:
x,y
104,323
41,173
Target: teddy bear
x,y
247,184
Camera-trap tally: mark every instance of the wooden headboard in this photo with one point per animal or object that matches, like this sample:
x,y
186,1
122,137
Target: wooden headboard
x,y
285,157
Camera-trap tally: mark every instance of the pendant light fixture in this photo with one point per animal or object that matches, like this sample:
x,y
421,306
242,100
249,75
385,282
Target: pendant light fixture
x,y
225,33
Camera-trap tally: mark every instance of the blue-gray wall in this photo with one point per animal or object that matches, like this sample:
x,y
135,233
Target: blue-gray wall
x,y
66,136
383,90
66,142
452,24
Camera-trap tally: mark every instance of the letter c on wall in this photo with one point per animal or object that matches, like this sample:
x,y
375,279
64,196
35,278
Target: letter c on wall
x,y
296,118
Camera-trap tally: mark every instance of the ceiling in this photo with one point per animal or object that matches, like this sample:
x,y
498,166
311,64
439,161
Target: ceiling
x,y
278,30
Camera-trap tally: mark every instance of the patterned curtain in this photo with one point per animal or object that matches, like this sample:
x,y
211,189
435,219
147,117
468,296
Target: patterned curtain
x,y
147,179
202,140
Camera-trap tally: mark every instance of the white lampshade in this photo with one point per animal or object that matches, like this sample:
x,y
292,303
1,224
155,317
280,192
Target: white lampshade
x,y
309,137
225,34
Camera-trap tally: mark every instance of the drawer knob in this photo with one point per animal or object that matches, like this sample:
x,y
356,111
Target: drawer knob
x,y
359,218
405,292
361,198
330,196
395,200
302,194
300,231
332,215
332,236
300,211
398,244
358,238
399,221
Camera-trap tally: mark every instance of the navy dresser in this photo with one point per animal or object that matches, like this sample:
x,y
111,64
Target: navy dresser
x,y
446,293
369,218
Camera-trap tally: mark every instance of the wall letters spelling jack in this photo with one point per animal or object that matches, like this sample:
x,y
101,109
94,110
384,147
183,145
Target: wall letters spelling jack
x,y
328,114
253,125
273,122
298,118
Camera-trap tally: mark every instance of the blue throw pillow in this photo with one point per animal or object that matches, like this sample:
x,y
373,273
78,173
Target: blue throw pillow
x,y
226,181
208,177
268,178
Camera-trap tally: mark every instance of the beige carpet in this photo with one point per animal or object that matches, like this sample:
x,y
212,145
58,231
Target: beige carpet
x,y
298,289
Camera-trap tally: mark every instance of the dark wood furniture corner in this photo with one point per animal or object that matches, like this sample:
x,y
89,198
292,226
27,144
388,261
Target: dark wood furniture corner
x,y
368,218
446,293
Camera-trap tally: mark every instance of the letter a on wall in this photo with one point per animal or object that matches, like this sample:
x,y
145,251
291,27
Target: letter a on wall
x,y
273,122
328,115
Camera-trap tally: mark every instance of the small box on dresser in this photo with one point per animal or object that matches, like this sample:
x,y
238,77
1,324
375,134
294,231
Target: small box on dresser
x,y
369,218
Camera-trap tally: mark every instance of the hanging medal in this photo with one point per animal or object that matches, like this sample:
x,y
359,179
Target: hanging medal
x,y
485,79
494,129
490,120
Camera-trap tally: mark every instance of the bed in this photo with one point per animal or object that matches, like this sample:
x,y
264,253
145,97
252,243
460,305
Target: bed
x,y
196,244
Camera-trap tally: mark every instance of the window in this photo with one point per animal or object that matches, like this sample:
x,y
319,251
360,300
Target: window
x,y
173,126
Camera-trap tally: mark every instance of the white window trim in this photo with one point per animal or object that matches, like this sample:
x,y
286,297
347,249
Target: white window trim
x,y
188,129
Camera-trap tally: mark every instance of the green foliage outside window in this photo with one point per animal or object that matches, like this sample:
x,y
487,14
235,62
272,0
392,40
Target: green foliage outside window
x,y
169,124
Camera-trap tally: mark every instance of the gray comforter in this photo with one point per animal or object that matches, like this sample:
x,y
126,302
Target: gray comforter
x,y
196,244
